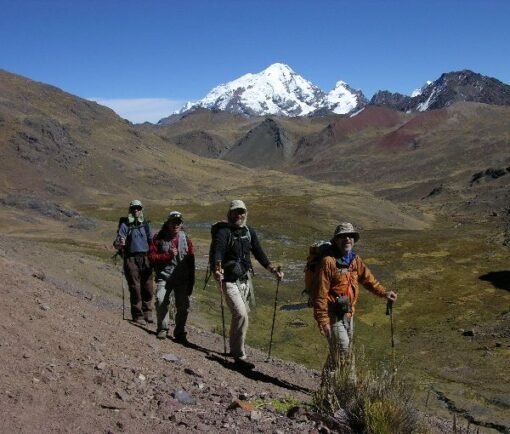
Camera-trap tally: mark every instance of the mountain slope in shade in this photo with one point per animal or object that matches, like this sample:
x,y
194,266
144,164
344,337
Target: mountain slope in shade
x,y
266,145
277,90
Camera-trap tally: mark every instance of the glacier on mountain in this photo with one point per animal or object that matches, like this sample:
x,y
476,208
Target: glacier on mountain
x,y
277,90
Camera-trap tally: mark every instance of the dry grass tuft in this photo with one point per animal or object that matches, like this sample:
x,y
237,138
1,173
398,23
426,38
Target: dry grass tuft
x,y
363,400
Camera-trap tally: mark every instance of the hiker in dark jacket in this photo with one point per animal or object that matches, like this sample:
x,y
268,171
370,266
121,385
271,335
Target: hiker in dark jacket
x,y
230,260
171,253
132,242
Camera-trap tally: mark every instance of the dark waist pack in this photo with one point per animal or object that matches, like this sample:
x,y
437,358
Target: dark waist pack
x,y
236,269
341,306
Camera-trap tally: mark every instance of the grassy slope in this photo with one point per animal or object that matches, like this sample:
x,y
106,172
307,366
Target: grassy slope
x,y
436,273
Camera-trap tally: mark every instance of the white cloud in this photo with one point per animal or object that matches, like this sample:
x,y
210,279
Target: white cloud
x,y
139,110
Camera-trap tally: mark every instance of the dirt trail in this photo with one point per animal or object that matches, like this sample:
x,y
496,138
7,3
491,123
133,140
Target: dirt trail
x,y
69,362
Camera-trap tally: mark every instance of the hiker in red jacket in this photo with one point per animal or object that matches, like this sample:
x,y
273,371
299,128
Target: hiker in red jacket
x,y
171,254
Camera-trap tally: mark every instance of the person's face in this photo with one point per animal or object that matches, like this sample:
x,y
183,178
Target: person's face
x,y
238,216
136,210
174,226
345,242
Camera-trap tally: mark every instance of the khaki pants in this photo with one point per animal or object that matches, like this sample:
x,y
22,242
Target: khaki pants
x,y
235,294
340,343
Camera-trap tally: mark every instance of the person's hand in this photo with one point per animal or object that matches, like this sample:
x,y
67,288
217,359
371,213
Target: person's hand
x,y
279,274
122,242
326,330
218,275
174,251
391,296
277,271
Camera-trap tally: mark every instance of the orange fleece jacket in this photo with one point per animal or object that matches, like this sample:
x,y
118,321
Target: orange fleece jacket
x,y
332,282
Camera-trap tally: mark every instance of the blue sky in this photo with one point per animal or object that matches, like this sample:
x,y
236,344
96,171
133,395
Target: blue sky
x,y
145,58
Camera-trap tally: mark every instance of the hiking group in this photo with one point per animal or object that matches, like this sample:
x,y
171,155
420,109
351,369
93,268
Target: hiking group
x,y
332,277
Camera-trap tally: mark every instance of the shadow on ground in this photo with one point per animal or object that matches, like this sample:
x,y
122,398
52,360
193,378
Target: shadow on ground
x,y
257,375
500,279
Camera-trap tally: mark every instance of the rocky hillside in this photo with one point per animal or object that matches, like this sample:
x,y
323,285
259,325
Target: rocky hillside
x,y
450,88
69,362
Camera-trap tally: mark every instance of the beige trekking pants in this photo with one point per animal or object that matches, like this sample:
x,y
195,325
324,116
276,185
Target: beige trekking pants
x,y
235,295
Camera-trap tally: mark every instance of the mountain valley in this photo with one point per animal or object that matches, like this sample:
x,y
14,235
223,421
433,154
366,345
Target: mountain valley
x,y
428,189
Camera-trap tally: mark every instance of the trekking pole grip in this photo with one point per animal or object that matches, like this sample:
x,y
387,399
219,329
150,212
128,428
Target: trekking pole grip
x,y
389,307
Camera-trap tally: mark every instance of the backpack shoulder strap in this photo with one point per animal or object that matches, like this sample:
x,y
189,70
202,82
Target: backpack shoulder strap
x,y
147,229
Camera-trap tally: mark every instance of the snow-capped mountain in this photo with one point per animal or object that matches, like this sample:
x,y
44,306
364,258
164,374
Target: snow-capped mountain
x,y
343,99
277,90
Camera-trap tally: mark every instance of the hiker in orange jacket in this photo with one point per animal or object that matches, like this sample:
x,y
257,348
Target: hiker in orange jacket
x,y
336,291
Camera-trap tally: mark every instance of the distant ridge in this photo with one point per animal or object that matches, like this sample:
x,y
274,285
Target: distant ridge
x,y
279,90
452,87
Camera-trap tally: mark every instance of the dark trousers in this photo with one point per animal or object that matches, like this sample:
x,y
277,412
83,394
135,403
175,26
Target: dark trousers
x,y
181,297
138,273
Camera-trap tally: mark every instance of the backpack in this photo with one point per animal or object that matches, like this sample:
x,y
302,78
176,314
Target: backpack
x,y
125,220
316,251
214,228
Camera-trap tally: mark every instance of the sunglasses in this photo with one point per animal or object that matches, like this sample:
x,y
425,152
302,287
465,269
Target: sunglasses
x,y
239,211
345,236
136,208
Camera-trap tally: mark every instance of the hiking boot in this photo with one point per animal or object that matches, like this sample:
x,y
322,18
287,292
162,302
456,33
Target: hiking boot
x,y
181,339
162,334
149,319
140,321
243,364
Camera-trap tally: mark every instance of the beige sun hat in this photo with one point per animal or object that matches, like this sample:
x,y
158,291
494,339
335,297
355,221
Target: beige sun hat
x,y
345,228
135,202
237,204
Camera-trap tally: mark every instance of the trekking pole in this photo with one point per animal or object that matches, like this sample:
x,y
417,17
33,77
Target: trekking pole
x,y
114,259
220,283
123,296
389,311
274,314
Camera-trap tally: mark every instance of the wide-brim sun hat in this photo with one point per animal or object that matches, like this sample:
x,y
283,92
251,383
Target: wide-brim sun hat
x,y
237,204
134,203
346,228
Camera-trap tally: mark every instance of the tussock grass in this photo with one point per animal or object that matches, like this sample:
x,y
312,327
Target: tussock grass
x,y
281,405
365,400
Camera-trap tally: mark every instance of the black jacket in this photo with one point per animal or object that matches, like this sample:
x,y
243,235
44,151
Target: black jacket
x,y
232,246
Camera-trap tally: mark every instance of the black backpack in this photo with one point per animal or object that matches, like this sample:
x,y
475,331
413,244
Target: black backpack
x,y
214,228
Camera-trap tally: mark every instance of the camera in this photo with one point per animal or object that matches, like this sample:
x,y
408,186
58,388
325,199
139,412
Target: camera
x,y
343,305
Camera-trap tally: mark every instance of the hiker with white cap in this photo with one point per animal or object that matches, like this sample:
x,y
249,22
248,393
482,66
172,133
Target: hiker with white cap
x,y
232,243
171,253
132,242
336,291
